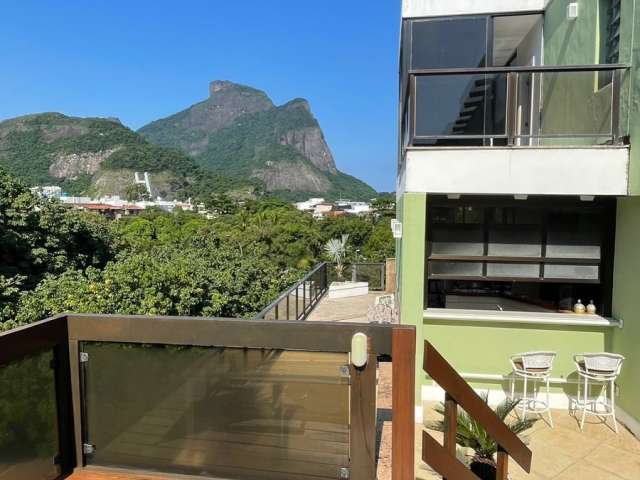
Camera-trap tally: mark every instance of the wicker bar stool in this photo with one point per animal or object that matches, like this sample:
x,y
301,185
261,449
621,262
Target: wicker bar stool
x,y
599,369
532,367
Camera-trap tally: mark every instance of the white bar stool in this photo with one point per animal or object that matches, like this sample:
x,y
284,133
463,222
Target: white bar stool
x,y
535,367
603,369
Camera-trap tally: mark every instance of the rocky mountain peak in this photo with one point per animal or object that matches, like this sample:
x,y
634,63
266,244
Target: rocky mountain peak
x,y
298,103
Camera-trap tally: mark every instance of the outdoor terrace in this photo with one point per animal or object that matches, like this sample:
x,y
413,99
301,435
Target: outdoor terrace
x,y
99,397
562,452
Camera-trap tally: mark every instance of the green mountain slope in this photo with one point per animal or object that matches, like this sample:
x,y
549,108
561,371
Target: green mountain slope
x,y
93,156
239,132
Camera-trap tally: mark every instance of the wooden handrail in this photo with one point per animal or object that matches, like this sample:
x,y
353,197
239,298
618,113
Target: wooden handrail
x,y
459,392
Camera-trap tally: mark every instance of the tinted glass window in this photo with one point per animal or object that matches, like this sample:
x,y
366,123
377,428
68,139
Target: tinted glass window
x,y
460,105
449,43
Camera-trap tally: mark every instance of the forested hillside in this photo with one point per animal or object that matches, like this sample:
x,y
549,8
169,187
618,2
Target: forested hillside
x,y
97,156
53,259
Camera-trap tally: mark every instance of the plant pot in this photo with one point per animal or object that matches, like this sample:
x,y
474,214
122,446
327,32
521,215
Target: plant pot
x,y
348,289
483,470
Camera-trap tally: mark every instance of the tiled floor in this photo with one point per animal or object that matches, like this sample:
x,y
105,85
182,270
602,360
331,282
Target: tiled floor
x,y
561,453
351,309
566,453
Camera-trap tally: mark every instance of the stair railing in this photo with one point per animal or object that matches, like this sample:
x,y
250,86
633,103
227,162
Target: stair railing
x,y
459,393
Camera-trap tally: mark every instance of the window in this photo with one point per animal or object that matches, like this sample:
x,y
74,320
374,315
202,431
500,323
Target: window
x,y
609,22
506,254
449,43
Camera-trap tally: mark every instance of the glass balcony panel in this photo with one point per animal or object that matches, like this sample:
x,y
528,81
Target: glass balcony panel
x,y
574,109
449,43
222,412
460,105
28,419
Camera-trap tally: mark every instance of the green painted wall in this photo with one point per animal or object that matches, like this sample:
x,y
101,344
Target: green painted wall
x,y
626,302
484,348
574,102
410,261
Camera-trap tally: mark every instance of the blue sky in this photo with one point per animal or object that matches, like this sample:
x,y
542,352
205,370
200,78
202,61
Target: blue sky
x,y
140,60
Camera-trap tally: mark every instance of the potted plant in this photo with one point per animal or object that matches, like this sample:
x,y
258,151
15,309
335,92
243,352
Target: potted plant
x,y
471,434
336,250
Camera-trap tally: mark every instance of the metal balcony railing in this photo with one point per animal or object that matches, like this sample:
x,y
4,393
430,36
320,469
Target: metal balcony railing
x,y
512,106
297,301
374,273
211,397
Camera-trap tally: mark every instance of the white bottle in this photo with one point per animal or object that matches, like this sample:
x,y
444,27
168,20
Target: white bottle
x,y
579,307
591,308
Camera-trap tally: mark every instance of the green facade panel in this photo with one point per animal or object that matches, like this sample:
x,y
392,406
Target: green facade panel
x,y
626,302
485,348
412,212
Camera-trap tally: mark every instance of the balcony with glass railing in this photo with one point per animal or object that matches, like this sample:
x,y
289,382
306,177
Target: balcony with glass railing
x,y
513,106
481,113
109,396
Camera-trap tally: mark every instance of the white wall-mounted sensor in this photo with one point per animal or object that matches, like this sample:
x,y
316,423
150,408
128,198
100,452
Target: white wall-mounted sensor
x,y
396,228
359,347
572,11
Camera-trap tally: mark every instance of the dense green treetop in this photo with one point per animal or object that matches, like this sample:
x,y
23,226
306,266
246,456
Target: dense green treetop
x,y
55,259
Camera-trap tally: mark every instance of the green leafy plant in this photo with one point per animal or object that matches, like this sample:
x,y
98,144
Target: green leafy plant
x,y
471,434
337,251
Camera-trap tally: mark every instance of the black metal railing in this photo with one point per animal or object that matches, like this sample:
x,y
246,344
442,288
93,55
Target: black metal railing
x,y
513,106
297,302
279,399
371,272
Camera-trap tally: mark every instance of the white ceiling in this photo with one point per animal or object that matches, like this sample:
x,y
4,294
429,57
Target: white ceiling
x,y
508,33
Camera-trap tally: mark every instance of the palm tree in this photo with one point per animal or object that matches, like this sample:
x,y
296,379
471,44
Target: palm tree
x,y
471,434
337,250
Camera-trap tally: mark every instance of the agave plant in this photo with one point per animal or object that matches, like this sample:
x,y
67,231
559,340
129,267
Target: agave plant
x,y
471,434
337,251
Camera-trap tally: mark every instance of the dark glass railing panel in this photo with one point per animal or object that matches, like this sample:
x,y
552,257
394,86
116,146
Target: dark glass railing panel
x,y
29,441
519,106
224,412
573,107
449,42
455,107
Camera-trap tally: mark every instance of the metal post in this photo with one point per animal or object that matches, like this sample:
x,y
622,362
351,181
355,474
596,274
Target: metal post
x,y
304,298
412,110
615,107
288,306
326,276
297,302
512,107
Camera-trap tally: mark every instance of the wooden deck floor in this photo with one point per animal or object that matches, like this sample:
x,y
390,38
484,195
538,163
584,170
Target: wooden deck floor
x,y
90,474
